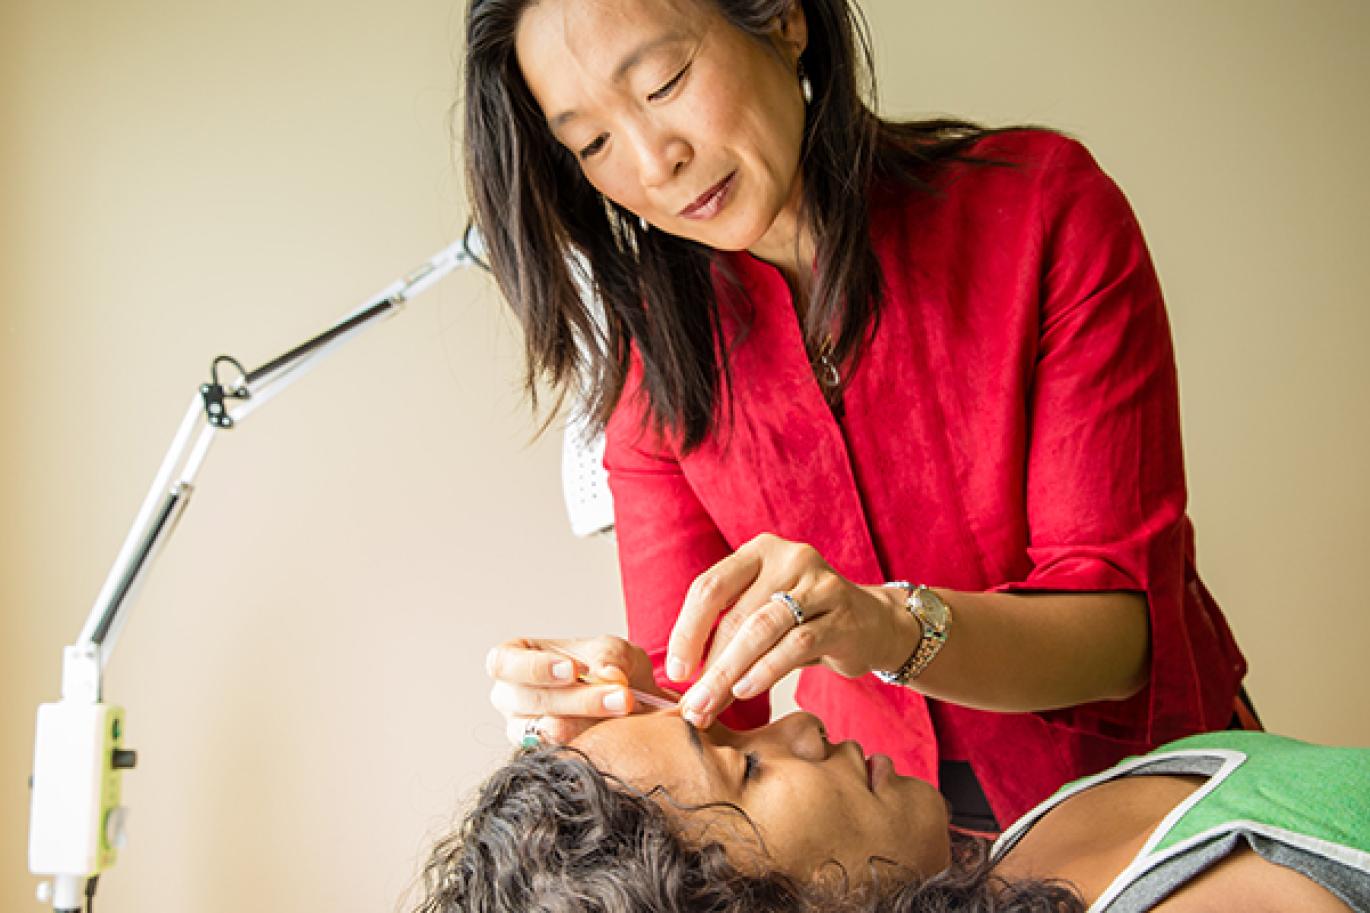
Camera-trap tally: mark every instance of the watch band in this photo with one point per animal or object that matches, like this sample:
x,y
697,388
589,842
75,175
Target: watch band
x,y
934,635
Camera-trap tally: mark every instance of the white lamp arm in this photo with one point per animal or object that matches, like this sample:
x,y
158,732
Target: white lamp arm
x,y
76,819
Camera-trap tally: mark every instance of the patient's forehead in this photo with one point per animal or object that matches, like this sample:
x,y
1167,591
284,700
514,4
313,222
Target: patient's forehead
x,y
648,750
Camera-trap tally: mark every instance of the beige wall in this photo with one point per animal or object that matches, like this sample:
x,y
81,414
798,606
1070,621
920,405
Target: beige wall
x,y
302,674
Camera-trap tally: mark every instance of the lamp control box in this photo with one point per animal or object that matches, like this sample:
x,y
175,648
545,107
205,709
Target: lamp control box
x,y
77,822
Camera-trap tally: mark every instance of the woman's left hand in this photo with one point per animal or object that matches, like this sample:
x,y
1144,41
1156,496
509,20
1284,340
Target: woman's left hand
x,y
849,628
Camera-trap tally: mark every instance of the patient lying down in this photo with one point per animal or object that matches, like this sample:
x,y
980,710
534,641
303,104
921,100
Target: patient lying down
x,y
645,813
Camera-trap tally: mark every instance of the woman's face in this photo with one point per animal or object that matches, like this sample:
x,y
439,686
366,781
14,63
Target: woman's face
x,y
813,802
674,113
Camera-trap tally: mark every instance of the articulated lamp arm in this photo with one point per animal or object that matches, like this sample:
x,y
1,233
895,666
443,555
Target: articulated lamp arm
x,y
76,821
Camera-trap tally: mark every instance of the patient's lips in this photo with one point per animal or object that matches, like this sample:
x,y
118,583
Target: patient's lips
x,y
878,770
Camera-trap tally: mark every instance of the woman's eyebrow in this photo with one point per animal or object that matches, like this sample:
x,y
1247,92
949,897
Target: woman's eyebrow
x,y
635,56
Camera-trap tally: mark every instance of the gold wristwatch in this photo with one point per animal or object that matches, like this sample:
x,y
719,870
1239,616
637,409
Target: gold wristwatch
x,y
934,617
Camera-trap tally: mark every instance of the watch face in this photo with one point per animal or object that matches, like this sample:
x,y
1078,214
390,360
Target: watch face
x,y
934,609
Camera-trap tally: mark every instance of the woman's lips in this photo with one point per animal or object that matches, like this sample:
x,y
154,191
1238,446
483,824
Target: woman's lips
x,y
710,202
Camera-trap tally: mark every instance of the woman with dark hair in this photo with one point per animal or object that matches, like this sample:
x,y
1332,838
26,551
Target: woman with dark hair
x,y
648,813
890,398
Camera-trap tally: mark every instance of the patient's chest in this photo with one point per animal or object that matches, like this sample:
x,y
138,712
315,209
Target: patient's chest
x,y
1092,837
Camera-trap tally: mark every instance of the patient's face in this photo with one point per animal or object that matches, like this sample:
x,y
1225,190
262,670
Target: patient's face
x,y
812,801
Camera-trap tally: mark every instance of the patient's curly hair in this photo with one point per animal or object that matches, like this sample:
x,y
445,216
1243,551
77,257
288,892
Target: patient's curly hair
x,y
550,833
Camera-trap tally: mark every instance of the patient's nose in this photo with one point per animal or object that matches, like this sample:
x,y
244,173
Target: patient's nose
x,y
801,734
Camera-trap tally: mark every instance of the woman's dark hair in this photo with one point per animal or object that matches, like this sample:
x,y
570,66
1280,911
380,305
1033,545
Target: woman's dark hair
x,y
550,833
533,206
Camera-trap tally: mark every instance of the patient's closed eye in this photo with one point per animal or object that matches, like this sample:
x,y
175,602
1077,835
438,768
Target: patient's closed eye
x,y
753,768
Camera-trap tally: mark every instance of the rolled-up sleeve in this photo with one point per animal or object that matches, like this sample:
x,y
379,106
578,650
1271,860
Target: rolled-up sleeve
x,y
1105,485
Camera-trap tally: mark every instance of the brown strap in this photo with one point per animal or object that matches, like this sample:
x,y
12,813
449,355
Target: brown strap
x,y
970,811
1244,714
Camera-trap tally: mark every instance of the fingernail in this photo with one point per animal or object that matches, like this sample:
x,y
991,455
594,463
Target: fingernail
x,y
564,671
676,670
696,702
615,702
490,661
743,689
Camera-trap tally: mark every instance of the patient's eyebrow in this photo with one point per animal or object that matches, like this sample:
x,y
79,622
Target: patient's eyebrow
x,y
709,760
695,741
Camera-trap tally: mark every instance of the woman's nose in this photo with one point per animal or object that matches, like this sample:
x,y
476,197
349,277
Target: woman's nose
x,y
661,154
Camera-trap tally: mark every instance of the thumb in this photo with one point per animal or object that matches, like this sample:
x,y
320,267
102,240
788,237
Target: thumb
x,y
608,673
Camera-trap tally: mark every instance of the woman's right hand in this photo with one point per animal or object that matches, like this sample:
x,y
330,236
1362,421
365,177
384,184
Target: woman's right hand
x,y
543,682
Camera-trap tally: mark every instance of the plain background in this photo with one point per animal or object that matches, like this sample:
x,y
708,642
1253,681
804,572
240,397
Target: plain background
x,y
303,673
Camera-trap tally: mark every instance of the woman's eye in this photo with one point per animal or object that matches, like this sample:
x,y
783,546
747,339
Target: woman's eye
x,y
666,89
753,768
595,145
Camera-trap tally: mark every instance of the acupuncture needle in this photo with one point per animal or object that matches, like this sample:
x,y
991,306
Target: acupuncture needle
x,y
639,696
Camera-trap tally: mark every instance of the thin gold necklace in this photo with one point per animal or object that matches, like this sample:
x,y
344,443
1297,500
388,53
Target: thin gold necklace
x,y
829,379
825,369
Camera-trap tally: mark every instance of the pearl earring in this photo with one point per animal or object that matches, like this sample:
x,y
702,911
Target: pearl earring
x,y
806,89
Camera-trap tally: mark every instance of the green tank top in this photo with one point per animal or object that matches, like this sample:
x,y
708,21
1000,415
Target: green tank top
x,y
1303,806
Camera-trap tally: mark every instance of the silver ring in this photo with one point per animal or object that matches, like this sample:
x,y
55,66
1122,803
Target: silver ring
x,y
790,603
532,738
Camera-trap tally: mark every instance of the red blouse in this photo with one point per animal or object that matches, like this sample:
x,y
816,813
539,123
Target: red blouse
x,y
1014,425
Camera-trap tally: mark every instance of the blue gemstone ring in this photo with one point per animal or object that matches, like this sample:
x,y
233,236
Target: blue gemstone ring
x,y
790,603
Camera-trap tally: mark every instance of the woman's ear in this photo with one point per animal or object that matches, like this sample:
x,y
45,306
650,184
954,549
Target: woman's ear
x,y
792,29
